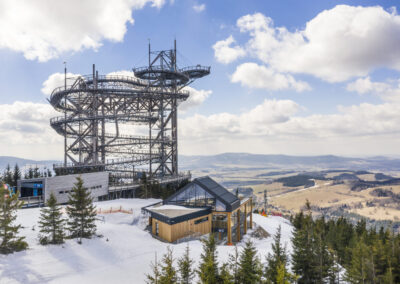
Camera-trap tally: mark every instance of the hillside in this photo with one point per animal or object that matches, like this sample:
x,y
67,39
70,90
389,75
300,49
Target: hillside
x,y
122,255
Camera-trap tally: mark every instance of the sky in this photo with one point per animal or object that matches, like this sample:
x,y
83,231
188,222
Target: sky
x,y
287,77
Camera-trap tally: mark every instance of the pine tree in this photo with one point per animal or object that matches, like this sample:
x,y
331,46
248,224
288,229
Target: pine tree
x,y
81,212
304,261
10,241
185,265
225,275
234,265
154,278
276,270
168,272
51,223
8,176
16,175
250,270
360,269
208,269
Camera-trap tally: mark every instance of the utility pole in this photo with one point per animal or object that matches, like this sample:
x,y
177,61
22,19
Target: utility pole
x,y
265,200
65,115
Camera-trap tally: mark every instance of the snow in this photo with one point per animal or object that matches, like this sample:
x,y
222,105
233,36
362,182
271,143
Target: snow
x,y
122,255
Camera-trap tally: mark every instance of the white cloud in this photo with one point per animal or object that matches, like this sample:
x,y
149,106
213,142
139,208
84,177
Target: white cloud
x,y
389,90
45,29
278,123
196,98
254,122
199,7
56,80
257,76
225,53
336,45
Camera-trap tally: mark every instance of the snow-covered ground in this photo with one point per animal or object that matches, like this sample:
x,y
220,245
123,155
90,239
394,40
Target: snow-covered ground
x,y
122,255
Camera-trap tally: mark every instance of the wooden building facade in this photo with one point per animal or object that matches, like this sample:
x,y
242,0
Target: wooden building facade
x,y
201,207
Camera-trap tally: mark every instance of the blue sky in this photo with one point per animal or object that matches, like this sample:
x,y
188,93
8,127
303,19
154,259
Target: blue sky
x,y
306,110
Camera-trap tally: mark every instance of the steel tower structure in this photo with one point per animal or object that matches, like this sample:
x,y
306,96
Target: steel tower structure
x,y
124,124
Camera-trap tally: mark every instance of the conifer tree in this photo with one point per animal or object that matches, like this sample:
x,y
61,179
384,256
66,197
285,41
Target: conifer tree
x,y
9,239
51,223
250,270
304,261
154,278
81,212
8,176
276,270
225,274
208,269
185,265
168,272
234,265
16,175
359,271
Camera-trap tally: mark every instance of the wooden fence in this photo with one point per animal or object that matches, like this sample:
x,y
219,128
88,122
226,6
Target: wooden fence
x,y
114,210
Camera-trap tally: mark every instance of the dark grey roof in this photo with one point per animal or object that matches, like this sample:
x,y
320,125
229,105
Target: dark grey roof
x,y
218,191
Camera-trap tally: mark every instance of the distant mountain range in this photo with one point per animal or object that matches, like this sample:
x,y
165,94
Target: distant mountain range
x,y
289,162
24,163
239,160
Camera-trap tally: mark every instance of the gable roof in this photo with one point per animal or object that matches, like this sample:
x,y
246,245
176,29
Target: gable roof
x,y
215,189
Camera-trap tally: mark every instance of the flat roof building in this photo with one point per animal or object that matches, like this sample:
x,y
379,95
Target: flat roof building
x,y
201,207
36,191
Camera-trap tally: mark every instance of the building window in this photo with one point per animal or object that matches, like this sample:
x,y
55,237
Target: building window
x,y
202,220
156,228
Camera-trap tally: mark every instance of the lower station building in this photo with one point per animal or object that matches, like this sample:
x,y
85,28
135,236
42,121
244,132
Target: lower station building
x,y
201,207
36,191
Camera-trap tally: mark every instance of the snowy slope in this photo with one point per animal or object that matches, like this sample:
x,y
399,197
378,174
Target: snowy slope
x,y
122,255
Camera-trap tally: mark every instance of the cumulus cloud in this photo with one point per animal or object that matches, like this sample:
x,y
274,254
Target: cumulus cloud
x,y
225,53
44,29
389,90
196,98
254,122
56,80
279,119
336,45
258,76
199,7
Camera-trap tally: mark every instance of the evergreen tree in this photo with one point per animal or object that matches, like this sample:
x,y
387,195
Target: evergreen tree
x,y
81,212
208,269
185,265
16,175
304,261
51,223
225,275
276,270
10,241
359,271
168,272
8,176
250,270
154,278
234,265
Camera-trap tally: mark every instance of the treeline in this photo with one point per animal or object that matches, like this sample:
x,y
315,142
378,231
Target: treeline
x,y
243,266
11,176
53,228
336,250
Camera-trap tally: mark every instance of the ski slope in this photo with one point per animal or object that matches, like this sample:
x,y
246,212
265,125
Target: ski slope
x,y
122,255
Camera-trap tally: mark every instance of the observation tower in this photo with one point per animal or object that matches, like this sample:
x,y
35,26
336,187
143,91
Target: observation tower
x,y
125,125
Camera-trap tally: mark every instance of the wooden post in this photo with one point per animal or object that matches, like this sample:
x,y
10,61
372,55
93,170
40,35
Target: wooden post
x,y
238,225
229,229
245,218
251,213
